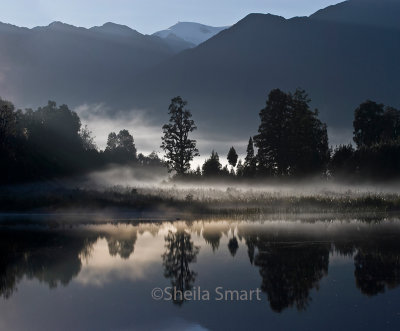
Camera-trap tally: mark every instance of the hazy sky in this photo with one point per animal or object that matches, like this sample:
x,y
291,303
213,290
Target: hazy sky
x,y
148,16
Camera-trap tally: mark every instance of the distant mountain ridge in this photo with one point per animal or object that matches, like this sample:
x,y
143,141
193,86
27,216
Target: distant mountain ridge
x,y
227,78
74,64
376,13
342,55
191,32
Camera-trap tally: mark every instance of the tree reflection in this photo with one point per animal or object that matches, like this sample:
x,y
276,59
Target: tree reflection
x,y
123,247
212,234
376,259
289,272
290,265
51,257
233,246
180,252
291,262
377,268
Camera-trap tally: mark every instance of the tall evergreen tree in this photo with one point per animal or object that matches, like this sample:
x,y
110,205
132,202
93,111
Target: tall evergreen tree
x,y
249,153
212,166
272,140
232,157
308,145
250,163
179,148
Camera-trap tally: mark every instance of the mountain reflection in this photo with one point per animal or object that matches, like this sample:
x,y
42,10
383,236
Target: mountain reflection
x,y
291,257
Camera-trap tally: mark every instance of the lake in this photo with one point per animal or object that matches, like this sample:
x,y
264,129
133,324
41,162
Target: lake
x,y
279,273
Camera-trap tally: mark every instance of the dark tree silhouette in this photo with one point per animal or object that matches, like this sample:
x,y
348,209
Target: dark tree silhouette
x,y
291,139
232,157
343,162
179,148
368,123
50,142
309,139
112,142
374,123
180,252
12,141
250,163
120,147
87,139
391,124
212,166
379,161
272,139
8,125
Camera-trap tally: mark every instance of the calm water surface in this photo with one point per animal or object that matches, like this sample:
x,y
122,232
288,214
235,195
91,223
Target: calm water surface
x,y
235,275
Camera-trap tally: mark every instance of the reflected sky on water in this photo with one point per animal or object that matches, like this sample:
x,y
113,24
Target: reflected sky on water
x,y
322,274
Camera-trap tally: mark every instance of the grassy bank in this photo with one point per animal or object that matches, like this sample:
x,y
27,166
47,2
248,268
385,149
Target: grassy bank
x,y
206,201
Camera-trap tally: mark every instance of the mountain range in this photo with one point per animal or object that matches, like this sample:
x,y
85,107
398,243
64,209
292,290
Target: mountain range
x,y
341,55
193,33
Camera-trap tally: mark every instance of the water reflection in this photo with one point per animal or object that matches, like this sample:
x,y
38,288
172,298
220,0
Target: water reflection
x,y
291,258
289,270
51,257
180,252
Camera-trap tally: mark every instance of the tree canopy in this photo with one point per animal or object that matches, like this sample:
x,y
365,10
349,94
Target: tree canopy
x,y
232,157
291,139
212,166
179,148
373,123
121,147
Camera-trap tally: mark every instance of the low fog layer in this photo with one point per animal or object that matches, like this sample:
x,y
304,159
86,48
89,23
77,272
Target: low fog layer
x,y
124,178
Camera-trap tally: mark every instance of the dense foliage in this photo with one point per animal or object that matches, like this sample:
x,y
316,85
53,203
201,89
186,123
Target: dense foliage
x,y
50,142
292,142
291,139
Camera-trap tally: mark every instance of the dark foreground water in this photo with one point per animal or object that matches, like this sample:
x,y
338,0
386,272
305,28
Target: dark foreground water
x,y
201,275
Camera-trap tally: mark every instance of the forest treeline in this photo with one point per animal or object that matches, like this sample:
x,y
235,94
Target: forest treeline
x,y
291,142
51,142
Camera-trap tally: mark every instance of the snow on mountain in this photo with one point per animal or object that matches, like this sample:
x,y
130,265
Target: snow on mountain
x,y
194,33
